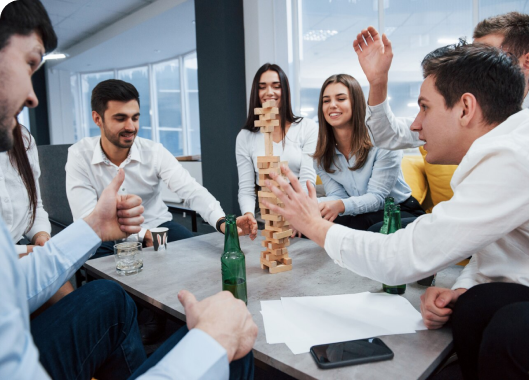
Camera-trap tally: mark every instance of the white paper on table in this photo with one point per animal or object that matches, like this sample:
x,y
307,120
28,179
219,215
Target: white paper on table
x,y
330,319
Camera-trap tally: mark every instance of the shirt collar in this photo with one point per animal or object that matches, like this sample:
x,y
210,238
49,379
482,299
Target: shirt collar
x,y
100,157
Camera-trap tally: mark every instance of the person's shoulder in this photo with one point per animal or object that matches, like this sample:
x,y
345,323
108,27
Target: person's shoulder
x,y
86,144
246,137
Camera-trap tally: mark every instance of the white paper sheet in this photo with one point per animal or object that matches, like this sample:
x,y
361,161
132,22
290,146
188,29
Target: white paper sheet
x,y
302,322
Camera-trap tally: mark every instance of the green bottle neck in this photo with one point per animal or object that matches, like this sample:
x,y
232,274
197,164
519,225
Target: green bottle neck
x,y
231,238
394,222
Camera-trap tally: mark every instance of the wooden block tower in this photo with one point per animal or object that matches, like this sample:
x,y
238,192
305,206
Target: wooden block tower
x,y
277,231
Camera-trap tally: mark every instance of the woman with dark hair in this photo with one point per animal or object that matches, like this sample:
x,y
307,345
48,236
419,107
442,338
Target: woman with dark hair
x,y
21,207
357,177
294,139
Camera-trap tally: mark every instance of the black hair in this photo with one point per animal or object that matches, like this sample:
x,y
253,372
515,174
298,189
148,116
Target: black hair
x,y
112,89
491,75
24,17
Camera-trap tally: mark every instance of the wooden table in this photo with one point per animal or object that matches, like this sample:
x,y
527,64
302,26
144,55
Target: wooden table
x,y
194,264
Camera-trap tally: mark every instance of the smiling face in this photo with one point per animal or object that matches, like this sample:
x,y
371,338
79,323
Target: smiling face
x,y
336,105
19,59
120,123
438,126
270,87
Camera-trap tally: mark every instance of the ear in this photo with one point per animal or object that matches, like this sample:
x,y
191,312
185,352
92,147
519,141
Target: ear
x,y
468,107
524,64
97,119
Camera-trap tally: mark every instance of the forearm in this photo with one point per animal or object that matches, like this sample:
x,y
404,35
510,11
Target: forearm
x,y
378,91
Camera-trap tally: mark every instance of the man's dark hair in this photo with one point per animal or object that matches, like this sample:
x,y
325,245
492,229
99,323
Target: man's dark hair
x,y
491,75
24,17
513,26
112,89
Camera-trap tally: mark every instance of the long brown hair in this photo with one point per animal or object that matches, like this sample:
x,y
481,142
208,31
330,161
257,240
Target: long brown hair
x,y
360,141
19,160
285,108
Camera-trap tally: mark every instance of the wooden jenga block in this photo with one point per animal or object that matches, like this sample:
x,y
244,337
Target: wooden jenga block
x,y
270,104
280,268
263,165
273,165
269,264
272,182
270,170
277,252
266,123
268,116
266,211
277,241
277,218
287,261
268,159
258,111
266,129
266,194
281,235
269,144
275,201
276,223
278,258
277,246
277,229
267,233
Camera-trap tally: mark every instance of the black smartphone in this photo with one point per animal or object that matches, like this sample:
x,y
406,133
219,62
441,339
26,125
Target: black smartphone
x,y
350,353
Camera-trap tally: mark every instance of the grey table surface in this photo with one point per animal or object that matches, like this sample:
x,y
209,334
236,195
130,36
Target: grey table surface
x,y
194,264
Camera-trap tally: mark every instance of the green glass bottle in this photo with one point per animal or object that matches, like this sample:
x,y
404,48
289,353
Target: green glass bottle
x,y
389,201
393,226
233,262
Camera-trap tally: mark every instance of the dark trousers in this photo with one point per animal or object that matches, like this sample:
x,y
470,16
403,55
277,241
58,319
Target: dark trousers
x,y
372,221
490,324
175,232
92,332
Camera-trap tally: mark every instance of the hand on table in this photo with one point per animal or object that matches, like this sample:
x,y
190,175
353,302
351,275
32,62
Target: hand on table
x,y
224,318
246,225
116,216
374,54
437,304
301,210
331,209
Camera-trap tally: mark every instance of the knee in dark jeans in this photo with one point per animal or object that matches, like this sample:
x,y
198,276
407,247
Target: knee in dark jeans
x,y
112,298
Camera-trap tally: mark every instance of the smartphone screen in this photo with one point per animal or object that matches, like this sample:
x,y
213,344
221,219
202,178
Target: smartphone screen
x,y
351,352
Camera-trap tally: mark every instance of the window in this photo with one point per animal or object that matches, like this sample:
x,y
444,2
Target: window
x,y
169,111
414,27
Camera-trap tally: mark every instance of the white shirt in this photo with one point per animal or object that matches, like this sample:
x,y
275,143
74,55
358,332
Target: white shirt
x,y
88,172
300,144
488,218
390,132
14,199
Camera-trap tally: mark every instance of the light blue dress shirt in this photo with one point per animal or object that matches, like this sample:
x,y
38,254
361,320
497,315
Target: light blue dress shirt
x,y
365,189
26,283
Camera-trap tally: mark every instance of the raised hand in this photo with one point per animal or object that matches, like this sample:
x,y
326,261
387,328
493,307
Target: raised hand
x,y
247,225
437,304
116,216
374,54
224,318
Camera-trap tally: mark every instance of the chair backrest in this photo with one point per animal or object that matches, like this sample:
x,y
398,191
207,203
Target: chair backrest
x,y
53,183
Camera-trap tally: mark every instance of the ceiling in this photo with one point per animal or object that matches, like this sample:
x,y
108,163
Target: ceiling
x,y
163,36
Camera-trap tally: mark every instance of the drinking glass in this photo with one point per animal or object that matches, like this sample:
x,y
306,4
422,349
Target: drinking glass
x,y
129,258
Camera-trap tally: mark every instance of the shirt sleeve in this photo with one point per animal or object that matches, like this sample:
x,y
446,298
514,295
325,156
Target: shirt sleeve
x,y
41,223
384,174
47,268
82,196
388,131
19,358
455,230
196,356
308,147
333,190
246,171
470,275
186,187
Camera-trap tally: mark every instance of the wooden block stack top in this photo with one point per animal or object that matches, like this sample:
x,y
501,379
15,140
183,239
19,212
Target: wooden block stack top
x,y
277,230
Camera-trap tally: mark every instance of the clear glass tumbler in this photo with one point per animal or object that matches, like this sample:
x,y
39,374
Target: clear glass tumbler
x,y
129,258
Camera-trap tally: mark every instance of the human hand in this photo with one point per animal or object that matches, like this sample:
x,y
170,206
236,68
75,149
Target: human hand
x,y
331,209
147,239
374,55
224,318
116,216
247,224
40,238
300,209
295,233
437,304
